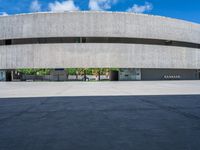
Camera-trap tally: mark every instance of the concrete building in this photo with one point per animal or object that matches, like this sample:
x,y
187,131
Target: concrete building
x,y
144,47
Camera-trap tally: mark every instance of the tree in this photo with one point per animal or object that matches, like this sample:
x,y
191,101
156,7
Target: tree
x,y
34,71
96,72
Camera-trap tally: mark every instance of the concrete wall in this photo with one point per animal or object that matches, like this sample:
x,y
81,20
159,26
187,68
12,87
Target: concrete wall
x,y
158,74
96,24
97,56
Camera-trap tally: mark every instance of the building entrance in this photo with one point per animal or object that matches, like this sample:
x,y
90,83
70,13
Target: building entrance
x,y
129,74
8,76
2,75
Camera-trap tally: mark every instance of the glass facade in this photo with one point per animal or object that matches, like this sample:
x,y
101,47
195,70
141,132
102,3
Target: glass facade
x,y
2,75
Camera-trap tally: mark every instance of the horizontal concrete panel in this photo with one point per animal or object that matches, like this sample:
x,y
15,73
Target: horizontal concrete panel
x,y
98,24
98,55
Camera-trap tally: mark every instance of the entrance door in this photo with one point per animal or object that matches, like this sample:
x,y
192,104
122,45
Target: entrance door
x,y
8,76
2,76
199,75
130,74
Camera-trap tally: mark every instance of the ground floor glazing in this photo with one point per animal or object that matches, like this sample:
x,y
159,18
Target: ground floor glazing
x,y
98,74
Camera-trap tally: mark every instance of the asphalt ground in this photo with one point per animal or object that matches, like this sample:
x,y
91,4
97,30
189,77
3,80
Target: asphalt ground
x,y
161,122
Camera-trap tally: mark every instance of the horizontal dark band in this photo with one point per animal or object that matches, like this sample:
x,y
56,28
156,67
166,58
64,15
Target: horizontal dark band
x,y
119,40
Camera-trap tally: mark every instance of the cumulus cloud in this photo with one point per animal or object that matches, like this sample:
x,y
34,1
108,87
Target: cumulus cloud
x,y
35,6
101,4
67,5
141,8
3,14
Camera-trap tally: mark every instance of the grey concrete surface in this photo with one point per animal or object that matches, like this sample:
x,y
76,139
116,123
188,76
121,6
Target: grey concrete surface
x,y
91,55
100,123
97,24
98,56
48,89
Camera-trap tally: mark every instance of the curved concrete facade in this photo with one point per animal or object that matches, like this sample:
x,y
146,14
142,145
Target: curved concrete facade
x,y
98,56
98,24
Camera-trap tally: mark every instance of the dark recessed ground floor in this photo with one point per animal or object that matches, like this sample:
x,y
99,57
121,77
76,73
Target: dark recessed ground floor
x,y
97,74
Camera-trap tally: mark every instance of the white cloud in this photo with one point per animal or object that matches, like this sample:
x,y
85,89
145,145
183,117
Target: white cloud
x,y
35,6
141,9
101,4
67,5
3,14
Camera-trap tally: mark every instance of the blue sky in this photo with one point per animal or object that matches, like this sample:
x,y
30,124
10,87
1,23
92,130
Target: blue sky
x,y
181,9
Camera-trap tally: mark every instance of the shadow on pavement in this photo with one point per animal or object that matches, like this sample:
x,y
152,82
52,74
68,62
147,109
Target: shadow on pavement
x,y
100,123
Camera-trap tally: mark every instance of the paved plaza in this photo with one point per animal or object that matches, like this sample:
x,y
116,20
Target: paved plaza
x,y
100,116
49,89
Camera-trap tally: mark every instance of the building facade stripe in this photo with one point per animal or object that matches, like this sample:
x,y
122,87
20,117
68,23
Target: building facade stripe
x,y
116,40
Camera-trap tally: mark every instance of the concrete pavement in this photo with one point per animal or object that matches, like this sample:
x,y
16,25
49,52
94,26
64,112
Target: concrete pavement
x,y
48,89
